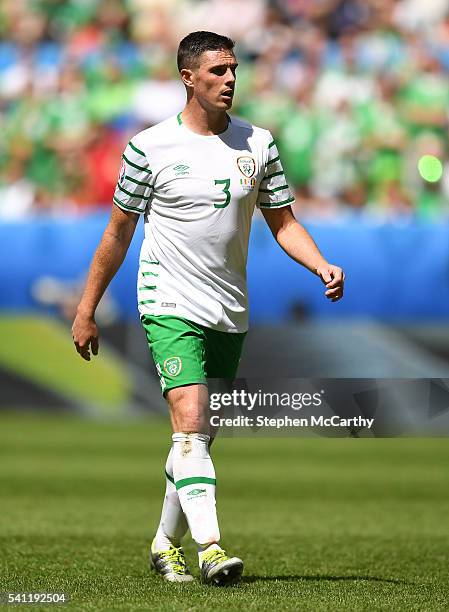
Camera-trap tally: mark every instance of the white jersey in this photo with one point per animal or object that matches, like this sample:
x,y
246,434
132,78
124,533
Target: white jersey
x,y
198,195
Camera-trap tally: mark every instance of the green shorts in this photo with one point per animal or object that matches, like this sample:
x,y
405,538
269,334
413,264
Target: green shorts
x,y
186,353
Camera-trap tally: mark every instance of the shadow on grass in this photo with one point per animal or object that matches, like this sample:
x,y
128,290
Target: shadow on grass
x,y
250,579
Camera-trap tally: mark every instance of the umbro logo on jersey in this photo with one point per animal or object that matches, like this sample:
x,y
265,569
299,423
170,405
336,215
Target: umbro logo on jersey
x,y
181,169
246,165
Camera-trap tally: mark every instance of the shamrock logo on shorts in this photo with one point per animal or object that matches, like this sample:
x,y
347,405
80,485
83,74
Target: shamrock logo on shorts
x,y
173,366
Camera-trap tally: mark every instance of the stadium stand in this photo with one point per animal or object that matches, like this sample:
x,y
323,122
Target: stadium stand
x,y
354,92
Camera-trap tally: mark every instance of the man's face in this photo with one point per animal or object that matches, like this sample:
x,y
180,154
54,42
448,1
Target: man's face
x,y
213,80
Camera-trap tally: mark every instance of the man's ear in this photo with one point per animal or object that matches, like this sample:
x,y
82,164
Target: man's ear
x,y
187,77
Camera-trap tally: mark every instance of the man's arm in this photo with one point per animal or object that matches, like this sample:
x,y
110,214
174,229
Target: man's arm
x,y
299,245
107,260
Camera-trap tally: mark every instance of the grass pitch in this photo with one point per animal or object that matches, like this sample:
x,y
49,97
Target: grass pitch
x,y
321,524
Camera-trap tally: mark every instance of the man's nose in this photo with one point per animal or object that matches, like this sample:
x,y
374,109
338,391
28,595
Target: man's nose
x,y
230,77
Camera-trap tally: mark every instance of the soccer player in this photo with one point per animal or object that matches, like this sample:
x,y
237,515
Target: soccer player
x,y
196,178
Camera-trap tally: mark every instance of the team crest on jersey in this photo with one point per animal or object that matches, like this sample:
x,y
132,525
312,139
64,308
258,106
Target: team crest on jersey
x,y
122,172
246,165
173,366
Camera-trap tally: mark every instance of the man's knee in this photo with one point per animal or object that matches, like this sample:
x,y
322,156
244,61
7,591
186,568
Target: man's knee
x,y
189,408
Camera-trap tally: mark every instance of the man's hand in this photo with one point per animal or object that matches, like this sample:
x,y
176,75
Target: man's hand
x,y
85,335
299,245
334,279
107,260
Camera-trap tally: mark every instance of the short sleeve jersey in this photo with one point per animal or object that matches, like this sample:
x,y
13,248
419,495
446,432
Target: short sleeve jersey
x,y
198,195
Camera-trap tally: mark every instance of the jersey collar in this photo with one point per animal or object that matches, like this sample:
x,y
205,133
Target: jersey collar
x,y
182,124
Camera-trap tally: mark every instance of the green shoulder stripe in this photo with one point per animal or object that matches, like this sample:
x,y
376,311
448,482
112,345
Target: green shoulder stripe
x,y
274,190
133,180
266,178
272,144
271,161
147,170
126,207
133,195
143,302
178,117
136,149
149,261
275,204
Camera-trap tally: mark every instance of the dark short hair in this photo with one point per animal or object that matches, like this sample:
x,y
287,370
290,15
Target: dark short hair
x,y
194,44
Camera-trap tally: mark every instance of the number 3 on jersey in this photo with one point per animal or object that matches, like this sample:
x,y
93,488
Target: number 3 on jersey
x,y
225,189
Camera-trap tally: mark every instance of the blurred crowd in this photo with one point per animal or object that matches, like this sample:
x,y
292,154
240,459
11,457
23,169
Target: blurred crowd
x,y
354,91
